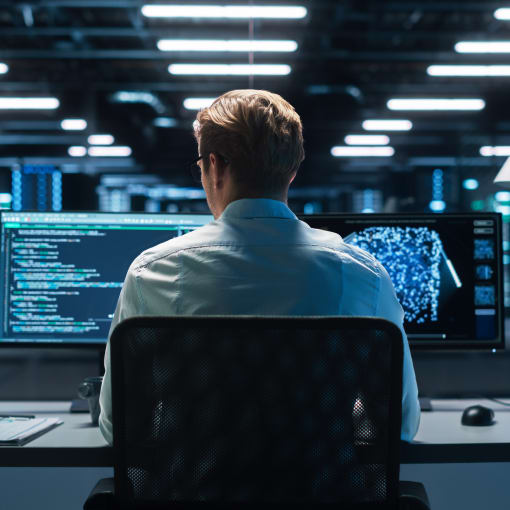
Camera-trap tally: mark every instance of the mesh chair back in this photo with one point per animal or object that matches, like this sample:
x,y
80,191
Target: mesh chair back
x,y
260,410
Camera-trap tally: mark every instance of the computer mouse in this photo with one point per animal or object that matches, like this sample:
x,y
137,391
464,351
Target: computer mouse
x,y
477,416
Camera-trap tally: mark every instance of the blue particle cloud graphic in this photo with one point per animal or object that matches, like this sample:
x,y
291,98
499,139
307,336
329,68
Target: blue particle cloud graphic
x,y
412,256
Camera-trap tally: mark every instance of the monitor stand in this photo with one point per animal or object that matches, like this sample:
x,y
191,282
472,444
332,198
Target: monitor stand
x,y
425,404
81,405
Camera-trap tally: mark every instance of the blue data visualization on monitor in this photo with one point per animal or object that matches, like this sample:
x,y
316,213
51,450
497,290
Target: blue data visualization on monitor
x,y
446,270
63,272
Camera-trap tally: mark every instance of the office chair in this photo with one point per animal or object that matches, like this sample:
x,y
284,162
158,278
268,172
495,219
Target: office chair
x,y
256,411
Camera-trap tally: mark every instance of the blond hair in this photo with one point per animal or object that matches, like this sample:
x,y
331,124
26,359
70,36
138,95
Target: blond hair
x,y
258,133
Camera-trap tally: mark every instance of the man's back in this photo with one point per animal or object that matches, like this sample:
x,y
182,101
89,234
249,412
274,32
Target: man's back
x,y
259,259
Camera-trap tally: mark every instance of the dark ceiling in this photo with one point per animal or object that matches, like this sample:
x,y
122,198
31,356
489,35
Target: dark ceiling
x,y
352,57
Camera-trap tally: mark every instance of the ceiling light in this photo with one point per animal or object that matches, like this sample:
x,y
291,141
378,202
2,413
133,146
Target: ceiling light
x,y
436,104
73,124
77,151
224,11
224,45
100,139
339,151
367,140
3,68
230,69
29,103
483,47
197,103
503,13
498,150
470,184
164,122
387,125
446,70
116,151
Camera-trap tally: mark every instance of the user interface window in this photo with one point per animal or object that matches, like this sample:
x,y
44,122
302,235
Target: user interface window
x,y
446,270
62,272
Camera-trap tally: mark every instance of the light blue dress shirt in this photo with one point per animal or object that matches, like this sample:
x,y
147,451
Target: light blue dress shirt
x,y
257,258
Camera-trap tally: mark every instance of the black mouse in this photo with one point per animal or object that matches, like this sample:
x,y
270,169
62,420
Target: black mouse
x,y
477,416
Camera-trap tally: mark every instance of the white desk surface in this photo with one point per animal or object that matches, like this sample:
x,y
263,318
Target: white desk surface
x,y
441,437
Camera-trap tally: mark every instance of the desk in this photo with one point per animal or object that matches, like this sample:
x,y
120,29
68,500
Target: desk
x,y
440,439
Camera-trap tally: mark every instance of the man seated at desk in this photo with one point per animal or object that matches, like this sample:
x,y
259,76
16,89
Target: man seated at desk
x,y
256,258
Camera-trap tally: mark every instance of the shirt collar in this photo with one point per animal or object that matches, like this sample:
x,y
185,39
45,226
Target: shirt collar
x,y
257,208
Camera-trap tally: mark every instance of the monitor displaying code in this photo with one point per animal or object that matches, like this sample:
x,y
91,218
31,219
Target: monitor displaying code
x,y
446,270
63,272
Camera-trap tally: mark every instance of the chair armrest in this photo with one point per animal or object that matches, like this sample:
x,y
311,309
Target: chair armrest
x,y
413,496
102,496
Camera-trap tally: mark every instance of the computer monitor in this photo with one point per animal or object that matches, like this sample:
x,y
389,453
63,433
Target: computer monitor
x,y
62,272
446,270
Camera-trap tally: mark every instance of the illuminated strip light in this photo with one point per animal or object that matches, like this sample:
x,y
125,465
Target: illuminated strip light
x,y
197,103
73,124
436,104
502,13
77,151
497,150
101,139
4,68
483,47
454,274
230,69
224,11
339,151
387,125
29,103
110,151
367,140
461,70
225,45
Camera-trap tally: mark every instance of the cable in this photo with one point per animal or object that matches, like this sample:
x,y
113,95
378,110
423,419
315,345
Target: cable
x,y
507,404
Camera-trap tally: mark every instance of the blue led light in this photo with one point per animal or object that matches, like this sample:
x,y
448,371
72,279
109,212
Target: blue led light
x,y
437,205
470,184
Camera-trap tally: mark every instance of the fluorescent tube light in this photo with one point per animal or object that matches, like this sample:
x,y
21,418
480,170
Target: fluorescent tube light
x,y
387,125
165,122
197,103
367,140
73,124
225,45
503,13
100,139
77,151
112,150
483,47
490,70
29,103
3,68
224,11
230,69
498,150
339,151
436,104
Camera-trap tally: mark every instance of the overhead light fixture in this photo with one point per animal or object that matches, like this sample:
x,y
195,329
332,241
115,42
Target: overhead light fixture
x,y
29,103
497,150
110,151
503,177
77,151
225,11
3,68
73,124
483,47
229,69
100,139
387,125
164,122
367,140
230,45
197,103
436,104
470,184
461,70
339,151
135,96
503,13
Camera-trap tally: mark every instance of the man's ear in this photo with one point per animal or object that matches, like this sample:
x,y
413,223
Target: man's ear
x,y
216,170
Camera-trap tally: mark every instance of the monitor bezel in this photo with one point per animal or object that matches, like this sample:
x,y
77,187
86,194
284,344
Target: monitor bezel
x,y
67,344
430,345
